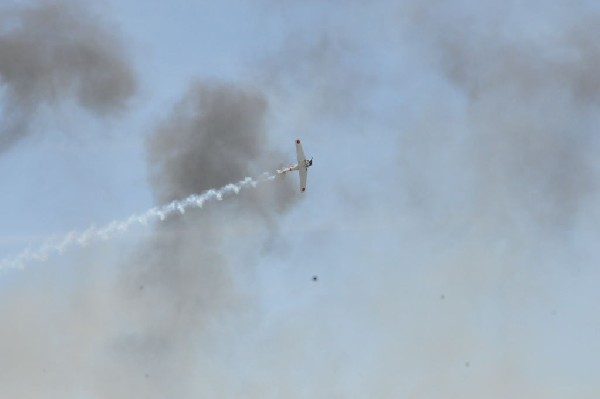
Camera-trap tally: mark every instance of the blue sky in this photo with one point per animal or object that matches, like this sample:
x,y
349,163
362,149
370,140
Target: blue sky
x,y
450,213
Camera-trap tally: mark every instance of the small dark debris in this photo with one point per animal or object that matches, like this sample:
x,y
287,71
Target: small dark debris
x,y
442,296
315,278
467,364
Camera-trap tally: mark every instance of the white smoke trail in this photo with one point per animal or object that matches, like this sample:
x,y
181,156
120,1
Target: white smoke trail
x,y
161,213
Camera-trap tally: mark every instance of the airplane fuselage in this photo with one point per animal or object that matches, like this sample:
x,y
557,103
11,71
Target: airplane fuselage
x,y
291,168
288,169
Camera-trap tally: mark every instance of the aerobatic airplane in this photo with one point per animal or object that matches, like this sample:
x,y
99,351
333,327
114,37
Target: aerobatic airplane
x,y
302,166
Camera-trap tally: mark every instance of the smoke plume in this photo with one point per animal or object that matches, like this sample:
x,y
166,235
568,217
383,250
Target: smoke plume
x,y
526,118
152,326
54,52
499,173
214,135
59,245
455,241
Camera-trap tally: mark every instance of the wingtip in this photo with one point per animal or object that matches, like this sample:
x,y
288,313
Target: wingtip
x,y
303,189
297,141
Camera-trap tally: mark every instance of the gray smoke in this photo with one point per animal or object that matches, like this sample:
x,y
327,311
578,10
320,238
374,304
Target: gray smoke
x,y
55,52
455,242
215,135
499,173
331,87
520,126
182,283
154,326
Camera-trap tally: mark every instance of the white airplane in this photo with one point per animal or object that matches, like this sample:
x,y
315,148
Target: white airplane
x,y
302,166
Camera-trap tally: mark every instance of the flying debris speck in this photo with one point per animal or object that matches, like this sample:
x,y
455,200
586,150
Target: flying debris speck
x,y
315,278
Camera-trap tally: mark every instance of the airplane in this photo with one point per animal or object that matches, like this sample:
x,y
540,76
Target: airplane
x,y
302,166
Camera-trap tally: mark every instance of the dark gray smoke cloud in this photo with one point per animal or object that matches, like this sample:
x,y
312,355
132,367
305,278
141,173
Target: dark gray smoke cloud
x,y
182,282
52,52
215,135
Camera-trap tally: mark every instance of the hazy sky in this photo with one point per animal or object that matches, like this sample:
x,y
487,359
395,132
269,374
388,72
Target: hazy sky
x,y
451,213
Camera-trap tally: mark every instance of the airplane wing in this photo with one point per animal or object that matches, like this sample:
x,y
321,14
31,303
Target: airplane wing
x,y
303,172
301,165
300,153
